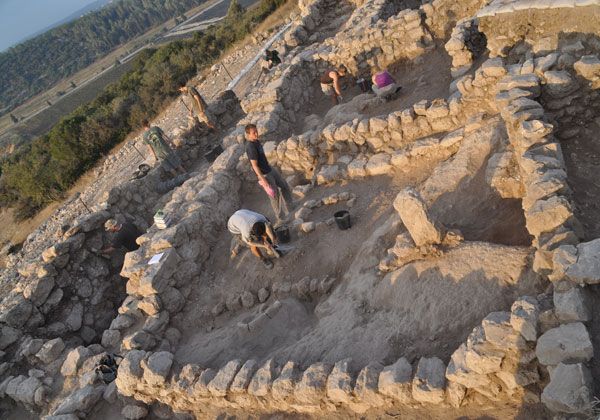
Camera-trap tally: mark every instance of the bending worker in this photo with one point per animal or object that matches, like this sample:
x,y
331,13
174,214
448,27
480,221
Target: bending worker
x,y
330,83
254,230
158,142
199,106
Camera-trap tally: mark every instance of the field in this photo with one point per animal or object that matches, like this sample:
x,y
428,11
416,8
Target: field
x,y
36,116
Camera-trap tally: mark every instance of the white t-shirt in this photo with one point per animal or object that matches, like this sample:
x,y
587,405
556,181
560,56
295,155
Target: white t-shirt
x,y
241,222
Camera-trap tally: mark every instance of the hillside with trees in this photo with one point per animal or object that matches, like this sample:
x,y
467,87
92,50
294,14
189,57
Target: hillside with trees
x,y
46,168
37,64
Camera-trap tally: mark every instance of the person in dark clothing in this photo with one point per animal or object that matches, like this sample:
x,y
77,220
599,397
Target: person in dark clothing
x,y
272,58
330,83
124,236
269,178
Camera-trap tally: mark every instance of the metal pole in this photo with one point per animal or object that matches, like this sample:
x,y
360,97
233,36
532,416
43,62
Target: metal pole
x,y
136,149
86,207
227,71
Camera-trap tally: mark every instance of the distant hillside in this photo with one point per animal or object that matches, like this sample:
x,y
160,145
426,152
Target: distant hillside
x,y
99,4
35,65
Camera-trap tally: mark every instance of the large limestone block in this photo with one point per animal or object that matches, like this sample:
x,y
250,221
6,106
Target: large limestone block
x,y
569,343
51,350
312,387
15,310
524,317
157,367
502,174
588,67
261,383
559,83
572,305
81,400
570,389
156,277
379,164
483,359
283,386
499,332
74,360
366,389
458,371
200,387
130,372
395,381
244,376
586,268
38,289
340,382
429,381
219,386
414,215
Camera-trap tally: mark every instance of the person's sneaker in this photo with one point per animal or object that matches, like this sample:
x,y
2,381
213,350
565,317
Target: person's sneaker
x,y
267,263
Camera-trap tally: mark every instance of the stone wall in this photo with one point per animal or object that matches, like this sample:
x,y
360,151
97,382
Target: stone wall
x,y
442,15
496,363
538,25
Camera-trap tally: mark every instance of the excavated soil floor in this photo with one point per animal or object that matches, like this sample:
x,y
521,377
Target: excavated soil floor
x,y
426,308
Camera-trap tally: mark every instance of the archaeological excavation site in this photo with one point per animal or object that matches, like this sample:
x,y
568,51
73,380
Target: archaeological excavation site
x,y
466,286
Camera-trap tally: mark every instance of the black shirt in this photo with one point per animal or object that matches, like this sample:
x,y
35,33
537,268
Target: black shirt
x,y
254,151
126,237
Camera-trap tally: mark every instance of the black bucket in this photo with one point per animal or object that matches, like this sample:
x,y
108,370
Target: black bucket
x,y
283,234
363,84
342,218
213,154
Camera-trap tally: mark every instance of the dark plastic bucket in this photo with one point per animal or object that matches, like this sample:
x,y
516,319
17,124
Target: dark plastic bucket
x,y
283,234
342,218
363,84
213,154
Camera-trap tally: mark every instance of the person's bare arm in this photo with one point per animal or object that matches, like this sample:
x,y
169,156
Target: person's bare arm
x,y
336,82
271,234
257,171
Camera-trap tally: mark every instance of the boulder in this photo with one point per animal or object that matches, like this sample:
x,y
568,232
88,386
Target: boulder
x,y
570,389
130,372
569,343
459,373
151,305
414,215
111,339
559,83
396,380
82,400
524,317
134,412
263,295
261,383
572,305
75,318
312,387
588,67
51,350
243,377
585,269
74,360
366,388
8,336
219,386
157,367
248,299
38,289
499,332
429,382
379,164
340,382
283,386
15,310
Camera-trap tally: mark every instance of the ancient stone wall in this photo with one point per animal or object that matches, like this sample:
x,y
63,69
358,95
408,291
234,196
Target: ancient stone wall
x,y
538,26
442,15
496,363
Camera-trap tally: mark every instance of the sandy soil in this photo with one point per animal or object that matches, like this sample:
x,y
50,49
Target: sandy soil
x,y
425,308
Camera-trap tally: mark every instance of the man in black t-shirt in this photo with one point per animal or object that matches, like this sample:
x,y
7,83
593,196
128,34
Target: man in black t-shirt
x,y
124,236
269,178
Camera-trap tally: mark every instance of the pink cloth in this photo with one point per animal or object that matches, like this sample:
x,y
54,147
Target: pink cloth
x,y
267,187
383,79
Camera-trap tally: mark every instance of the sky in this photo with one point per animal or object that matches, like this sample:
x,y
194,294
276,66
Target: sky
x,y
21,18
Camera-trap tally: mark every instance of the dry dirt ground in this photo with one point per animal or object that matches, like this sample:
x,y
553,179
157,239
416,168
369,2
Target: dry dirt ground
x,y
426,308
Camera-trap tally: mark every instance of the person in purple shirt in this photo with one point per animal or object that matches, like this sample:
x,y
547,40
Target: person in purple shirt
x,y
384,84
